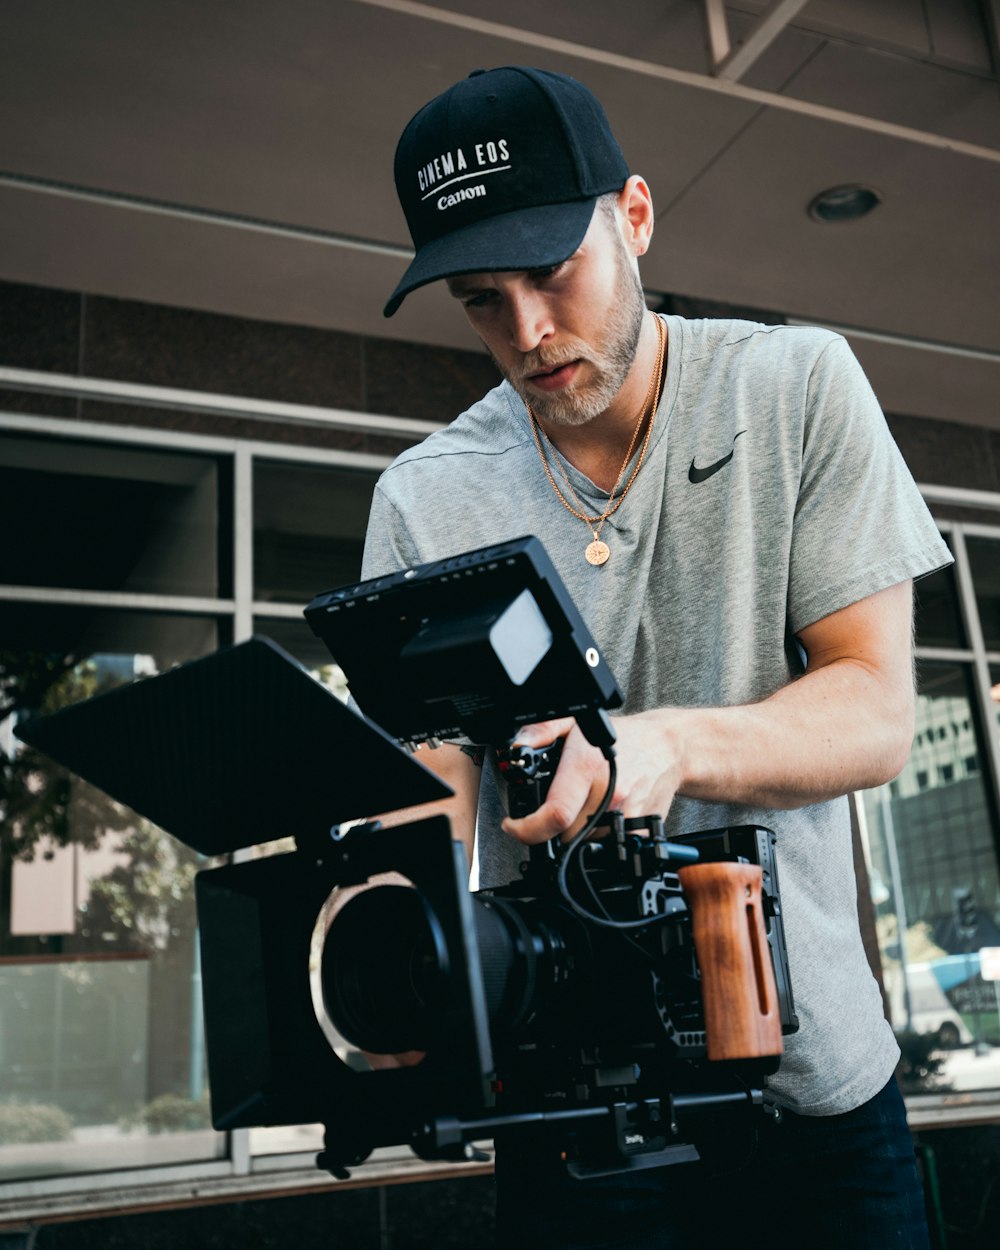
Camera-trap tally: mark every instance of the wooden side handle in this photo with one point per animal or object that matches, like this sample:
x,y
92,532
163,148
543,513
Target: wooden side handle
x,y
737,978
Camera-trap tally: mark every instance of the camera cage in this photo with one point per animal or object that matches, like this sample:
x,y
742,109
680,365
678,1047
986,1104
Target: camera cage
x,y
469,647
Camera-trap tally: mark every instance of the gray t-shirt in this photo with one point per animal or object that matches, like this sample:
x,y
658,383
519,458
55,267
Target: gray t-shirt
x,y
710,576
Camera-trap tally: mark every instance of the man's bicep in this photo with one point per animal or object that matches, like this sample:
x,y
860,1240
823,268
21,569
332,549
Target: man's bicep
x,y
875,635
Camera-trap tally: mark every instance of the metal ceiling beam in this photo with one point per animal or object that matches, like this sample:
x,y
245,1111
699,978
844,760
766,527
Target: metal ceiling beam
x,y
164,208
717,31
991,20
701,82
733,64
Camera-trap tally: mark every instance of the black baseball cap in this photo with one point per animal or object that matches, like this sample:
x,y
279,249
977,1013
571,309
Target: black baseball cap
x,y
502,172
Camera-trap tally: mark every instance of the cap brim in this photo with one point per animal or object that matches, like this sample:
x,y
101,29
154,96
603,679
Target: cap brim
x,y
528,238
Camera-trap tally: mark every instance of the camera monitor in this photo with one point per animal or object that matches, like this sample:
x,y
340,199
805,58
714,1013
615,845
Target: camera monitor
x,y
473,645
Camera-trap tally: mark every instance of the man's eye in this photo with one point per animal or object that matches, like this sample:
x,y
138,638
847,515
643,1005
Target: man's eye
x,y
479,300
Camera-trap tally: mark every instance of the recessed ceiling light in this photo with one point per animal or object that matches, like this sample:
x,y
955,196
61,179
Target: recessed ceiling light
x,y
844,203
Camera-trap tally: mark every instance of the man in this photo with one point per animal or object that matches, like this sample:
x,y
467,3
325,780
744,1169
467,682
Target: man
x,y
728,510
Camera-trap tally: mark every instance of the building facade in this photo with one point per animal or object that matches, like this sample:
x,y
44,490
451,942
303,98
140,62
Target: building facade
x,y
151,526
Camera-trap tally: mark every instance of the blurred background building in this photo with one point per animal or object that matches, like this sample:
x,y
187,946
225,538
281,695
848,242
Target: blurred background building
x,y
198,229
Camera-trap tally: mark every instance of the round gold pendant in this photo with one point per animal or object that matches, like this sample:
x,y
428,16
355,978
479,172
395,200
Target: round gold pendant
x,y
597,552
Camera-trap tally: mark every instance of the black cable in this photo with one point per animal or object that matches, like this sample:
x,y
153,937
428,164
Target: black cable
x,y
572,850
581,837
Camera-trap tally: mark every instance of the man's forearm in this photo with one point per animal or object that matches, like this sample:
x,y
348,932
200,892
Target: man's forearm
x,y
833,731
457,770
847,723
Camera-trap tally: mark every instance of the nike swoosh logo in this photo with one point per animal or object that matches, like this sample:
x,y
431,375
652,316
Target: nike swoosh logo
x,y
702,475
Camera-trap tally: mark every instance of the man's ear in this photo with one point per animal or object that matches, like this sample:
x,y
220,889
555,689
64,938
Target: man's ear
x,y
635,204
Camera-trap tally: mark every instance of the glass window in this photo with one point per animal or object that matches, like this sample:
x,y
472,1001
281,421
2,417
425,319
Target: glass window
x,y
101,1045
301,643
309,528
938,619
933,868
99,517
297,639
984,561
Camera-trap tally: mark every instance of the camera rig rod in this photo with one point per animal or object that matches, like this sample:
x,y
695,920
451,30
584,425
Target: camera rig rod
x,y
632,1135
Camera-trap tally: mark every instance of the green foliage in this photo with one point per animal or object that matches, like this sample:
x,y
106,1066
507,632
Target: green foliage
x,y
147,899
920,1062
172,1113
24,1122
143,902
34,790
42,681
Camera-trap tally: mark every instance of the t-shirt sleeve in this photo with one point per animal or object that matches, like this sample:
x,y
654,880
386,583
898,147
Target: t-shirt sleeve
x,y
388,546
860,523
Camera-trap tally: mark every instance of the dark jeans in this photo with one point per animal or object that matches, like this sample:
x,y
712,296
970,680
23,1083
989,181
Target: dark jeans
x,y
842,1182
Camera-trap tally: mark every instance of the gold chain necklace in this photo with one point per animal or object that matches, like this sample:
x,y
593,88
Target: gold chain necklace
x,y
598,552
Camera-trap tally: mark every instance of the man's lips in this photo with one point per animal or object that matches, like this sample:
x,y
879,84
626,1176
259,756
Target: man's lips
x,y
554,379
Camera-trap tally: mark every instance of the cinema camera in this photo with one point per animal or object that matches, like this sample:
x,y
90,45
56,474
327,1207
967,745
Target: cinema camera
x,y
617,1003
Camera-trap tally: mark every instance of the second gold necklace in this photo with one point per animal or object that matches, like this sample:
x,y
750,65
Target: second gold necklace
x,y
598,552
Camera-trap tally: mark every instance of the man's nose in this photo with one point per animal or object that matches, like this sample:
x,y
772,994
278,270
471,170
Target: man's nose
x,y
530,320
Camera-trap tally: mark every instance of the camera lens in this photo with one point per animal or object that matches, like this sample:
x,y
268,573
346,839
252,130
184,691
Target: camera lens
x,y
519,958
385,971
386,975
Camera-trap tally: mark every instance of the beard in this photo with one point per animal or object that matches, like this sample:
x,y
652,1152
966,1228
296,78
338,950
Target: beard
x,y
610,358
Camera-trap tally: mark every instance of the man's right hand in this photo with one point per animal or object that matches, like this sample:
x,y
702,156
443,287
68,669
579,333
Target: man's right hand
x,y
407,1059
